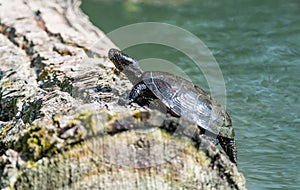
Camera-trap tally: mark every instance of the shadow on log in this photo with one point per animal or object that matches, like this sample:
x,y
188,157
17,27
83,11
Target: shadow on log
x,y
61,121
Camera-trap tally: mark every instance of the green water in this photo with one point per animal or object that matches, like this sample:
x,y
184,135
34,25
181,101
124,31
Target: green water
x,y
257,45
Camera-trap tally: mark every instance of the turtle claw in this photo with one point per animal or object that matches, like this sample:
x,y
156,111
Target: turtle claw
x,y
230,148
129,102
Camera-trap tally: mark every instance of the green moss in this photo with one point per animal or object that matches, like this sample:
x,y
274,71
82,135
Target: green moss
x,y
198,156
141,116
66,85
30,163
56,80
71,123
40,141
6,83
4,130
43,75
165,134
86,118
112,117
36,143
8,108
31,110
136,115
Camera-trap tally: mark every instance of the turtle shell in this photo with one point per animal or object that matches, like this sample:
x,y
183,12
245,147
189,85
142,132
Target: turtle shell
x,y
186,100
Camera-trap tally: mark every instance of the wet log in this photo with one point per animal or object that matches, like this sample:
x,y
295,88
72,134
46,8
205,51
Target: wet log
x,y
62,121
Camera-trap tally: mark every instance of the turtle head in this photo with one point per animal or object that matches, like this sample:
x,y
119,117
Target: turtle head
x,y
126,64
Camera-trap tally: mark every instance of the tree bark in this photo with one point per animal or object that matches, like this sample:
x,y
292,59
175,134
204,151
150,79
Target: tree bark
x,y
62,121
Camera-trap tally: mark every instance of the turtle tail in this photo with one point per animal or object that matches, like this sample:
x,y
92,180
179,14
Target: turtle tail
x,y
229,147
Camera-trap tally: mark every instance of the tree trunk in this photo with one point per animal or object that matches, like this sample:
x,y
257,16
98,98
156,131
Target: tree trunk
x,y
62,122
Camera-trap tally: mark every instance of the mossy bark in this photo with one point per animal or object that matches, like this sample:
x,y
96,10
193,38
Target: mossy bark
x,y
62,122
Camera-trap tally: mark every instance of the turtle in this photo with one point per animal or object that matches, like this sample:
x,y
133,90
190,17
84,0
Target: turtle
x,y
181,98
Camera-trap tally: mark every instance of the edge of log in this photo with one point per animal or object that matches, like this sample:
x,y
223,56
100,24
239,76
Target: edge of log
x,y
61,121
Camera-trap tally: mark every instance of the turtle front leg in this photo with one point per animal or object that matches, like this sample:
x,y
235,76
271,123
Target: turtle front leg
x,y
229,147
141,95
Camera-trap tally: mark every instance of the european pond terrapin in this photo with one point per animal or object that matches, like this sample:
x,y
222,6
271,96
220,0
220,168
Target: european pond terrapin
x,y
181,98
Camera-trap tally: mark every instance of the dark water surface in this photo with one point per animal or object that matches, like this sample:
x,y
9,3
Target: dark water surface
x,y
257,45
